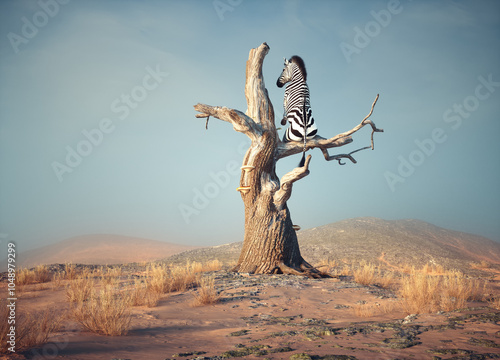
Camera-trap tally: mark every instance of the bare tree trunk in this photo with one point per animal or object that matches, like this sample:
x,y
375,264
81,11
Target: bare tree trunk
x,y
270,244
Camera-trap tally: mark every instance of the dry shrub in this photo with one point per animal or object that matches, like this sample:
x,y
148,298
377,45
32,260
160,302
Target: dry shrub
x,y
25,277
421,292
368,274
433,269
144,294
80,289
328,266
157,278
364,310
213,265
32,329
458,289
39,274
161,279
334,268
185,277
70,271
386,280
206,293
42,274
364,274
370,310
57,280
111,276
105,312
346,271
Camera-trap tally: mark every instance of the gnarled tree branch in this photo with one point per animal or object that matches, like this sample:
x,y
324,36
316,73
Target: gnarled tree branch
x,y
241,122
291,148
283,194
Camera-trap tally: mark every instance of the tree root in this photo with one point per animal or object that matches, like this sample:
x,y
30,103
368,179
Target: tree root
x,y
304,269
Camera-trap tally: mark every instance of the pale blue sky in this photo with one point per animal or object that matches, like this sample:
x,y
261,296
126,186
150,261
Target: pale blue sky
x,y
134,69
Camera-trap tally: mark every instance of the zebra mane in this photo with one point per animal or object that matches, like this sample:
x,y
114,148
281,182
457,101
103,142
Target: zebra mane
x,y
300,63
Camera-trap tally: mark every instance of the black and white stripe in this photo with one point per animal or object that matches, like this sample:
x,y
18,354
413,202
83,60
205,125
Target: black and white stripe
x,y
297,108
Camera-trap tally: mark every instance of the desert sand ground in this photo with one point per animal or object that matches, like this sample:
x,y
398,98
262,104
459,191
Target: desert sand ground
x,y
275,317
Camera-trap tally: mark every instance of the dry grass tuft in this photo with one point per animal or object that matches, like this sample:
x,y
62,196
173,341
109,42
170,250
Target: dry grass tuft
x,y
369,274
57,280
213,265
433,269
144,294
421,292
38,275
80,289
162,279
25,277
364,274
364,310
185,277
70,271
42,274
328,266
370,310
333,268
110,276
32,329
157,278
206,293
105,312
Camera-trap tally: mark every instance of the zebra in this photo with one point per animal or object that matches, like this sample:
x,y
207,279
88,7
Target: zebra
x,y
297,109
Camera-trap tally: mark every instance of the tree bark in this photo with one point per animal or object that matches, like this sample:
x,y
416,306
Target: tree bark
x,y
270,243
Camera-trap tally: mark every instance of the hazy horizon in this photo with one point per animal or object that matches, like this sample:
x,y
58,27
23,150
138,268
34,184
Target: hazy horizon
x,y
208,244
98,134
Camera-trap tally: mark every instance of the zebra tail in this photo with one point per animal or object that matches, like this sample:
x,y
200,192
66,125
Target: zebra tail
x,y
303,160
304,120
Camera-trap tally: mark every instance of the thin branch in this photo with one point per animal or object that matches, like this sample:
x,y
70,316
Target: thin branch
x,y
241,122
291,148
200,116
283,194
338,157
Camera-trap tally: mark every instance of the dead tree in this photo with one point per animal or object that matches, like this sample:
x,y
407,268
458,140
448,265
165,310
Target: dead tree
x,y
270,244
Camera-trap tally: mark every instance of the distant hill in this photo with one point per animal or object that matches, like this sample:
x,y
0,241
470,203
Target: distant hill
x,y
400,241
100,250
396,242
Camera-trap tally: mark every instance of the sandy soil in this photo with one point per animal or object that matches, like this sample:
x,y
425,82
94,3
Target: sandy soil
x,y
275,317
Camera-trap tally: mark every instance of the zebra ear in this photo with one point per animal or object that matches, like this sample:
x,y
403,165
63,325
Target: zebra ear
x,y
286,61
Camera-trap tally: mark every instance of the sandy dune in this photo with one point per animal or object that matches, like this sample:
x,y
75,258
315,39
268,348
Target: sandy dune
x,y
101,249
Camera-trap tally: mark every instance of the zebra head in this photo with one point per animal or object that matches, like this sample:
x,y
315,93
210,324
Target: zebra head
x,y
293,69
